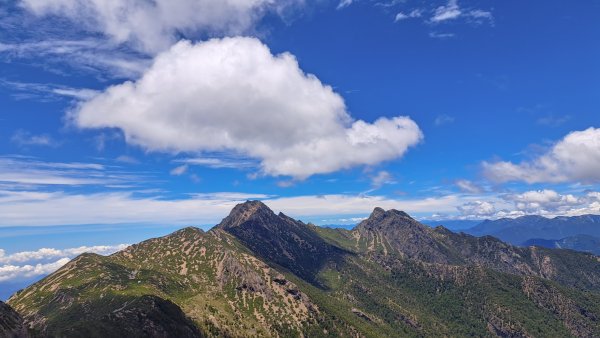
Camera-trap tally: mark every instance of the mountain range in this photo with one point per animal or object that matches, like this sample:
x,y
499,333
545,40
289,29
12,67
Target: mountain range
x,y
579,242
261,274
519,230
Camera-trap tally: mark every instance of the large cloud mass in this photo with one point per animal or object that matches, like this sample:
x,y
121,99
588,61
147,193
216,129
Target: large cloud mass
x,y
233,95
153,25
575,158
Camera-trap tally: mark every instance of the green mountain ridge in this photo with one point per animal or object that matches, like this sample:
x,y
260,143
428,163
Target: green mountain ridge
x,y
266,275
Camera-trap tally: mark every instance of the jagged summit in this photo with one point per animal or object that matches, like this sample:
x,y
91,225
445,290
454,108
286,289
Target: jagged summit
x,y
379,213
243,212
380,219
278,238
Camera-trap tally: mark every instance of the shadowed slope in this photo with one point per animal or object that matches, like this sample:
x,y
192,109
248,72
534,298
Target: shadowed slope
x,y
280,239
11,323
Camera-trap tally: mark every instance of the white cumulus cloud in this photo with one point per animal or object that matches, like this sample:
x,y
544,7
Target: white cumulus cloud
x,y
477,209
575,158
233,95
152,26
542,202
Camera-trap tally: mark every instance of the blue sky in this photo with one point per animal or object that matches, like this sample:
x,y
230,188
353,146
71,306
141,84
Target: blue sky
x,y
127,121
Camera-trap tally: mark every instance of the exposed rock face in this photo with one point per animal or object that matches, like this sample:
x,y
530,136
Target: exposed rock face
x,y
267,275
395,233
11,323
578,320
279,239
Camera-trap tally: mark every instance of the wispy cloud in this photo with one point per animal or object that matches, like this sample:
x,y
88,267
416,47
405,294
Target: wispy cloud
x,y
127,159
443,119
438,35
30,171
553,121
24,138
91,55
382,178
45,91
178,171
219,162
415,13
442,13
468,187
344,3
450,11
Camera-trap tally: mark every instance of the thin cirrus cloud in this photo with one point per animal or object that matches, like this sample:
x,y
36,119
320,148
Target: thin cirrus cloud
x,y
92,55
24,138
19,170
468,187
269,110
219,162
45,92
575,158
435,13
453,11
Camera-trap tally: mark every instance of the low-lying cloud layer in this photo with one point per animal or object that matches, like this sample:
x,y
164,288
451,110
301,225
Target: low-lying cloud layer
x,y
545,202
233,95
50,253
44,261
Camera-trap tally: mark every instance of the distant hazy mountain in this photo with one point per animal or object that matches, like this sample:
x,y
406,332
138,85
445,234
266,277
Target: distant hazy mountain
x,y
519,230
454,225
580,243
261,274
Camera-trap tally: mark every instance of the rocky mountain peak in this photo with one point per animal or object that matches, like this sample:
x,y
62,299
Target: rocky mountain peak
x,y
243,212
381,218
379,213
278,238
